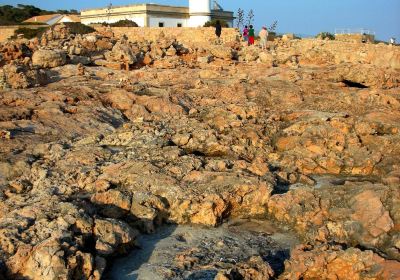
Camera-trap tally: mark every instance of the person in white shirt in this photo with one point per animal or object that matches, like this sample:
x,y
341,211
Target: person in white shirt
x,y
263,37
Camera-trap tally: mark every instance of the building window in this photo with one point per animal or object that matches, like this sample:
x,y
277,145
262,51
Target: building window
x,y
161,24
179,25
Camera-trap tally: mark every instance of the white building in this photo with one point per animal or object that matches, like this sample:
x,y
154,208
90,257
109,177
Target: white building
x,y
154,15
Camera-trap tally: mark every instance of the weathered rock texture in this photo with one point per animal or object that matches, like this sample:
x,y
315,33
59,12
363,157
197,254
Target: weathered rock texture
x,y
197,135
324,262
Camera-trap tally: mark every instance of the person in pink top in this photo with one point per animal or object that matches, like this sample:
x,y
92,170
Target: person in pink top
x,y
246,34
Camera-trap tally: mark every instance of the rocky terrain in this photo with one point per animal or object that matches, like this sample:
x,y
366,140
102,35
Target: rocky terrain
x,y
105,140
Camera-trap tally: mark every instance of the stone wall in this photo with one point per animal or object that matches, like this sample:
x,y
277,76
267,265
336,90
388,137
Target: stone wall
x,y
354,38
380,55
183,35
7,31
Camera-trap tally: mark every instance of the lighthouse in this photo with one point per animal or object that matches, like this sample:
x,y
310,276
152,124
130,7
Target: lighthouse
x,y
199,12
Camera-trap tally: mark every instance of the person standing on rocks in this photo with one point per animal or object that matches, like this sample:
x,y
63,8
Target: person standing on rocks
x,y
364,38
218,30
246,34
263,37
251,35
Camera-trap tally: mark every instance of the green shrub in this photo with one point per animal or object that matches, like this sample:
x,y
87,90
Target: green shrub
x,y
79,28
29,33
124,23
213,23
10,15
325,35
74,27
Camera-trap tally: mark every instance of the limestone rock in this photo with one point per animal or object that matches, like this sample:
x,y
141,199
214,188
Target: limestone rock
x,y
20,76
324,262
49,58
100,153
114,204
77,59
44,261
113,236
267,58
347,214
205,59
121,53
222,52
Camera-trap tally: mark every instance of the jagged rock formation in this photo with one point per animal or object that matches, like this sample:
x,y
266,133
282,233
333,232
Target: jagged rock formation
x,y
159,132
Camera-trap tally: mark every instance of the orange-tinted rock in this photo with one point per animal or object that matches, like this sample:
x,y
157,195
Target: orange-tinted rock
x,y
324,262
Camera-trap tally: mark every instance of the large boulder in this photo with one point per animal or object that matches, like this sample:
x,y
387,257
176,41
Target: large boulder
x,y
250,53
113,203
14,50
121,53
222,52
113,236
78,59
44,261
49,58
19,76
267,58
325,262
351,214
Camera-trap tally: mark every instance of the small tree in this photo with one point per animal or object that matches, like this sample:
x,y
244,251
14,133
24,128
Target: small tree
x,y
250,17
325,35
29,33
272,28
240,18
78,28
124,23
213,23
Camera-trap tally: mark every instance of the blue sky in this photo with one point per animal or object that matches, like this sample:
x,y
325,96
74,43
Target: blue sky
x,y
297,16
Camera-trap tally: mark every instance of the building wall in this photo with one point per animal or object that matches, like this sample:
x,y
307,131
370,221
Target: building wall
x,y
196,15
199,6
141,14
140,19
198,21
153,21
200,12
6,32
65,19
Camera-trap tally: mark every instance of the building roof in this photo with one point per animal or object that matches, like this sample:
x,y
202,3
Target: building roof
x,y
154,9
74,18
43,18
135,5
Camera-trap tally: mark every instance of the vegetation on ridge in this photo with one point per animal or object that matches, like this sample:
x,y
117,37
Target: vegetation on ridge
x,y
12,15
213,23
74,27
122,23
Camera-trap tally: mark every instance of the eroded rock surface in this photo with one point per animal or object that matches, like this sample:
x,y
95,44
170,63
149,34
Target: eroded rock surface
x,y
154,132
237,250
324,262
